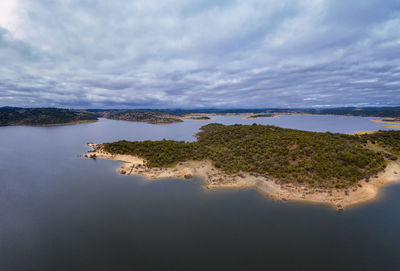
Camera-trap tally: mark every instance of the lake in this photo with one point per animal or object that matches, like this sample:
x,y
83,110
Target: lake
x,y
62,212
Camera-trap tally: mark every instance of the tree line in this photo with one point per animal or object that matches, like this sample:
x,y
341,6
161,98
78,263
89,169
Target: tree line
x,y
320,159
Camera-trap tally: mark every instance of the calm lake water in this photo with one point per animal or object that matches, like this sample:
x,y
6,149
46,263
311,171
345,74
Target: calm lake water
x,y
62,212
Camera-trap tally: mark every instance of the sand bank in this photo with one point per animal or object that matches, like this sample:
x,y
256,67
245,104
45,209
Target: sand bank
x,y
393,126
392,123
364,191
365,132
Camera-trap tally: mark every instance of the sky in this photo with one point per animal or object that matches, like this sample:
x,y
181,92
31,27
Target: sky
x,y
199,53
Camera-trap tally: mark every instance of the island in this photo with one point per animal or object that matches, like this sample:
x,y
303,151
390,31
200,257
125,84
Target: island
x,y
199,118
287,164
258,116
152,117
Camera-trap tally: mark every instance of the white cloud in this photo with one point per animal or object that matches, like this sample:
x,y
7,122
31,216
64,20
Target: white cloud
x,y
8,14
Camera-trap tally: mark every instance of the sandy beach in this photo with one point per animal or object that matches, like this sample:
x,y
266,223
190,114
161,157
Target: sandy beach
x,y
365,190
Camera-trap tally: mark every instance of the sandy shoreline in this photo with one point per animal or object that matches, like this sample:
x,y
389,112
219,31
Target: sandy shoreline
x,y
389,124
364,191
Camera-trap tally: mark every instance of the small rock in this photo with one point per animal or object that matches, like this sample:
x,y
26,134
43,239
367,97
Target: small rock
x,y
188,176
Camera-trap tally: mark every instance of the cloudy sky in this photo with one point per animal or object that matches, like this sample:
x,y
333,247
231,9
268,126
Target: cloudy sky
x,y
199,53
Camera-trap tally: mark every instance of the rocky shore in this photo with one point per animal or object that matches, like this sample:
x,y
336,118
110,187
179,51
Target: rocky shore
x,y
365,190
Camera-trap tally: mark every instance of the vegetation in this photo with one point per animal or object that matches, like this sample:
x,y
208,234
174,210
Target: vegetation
x,y
43,116
52,116
264,115
391,120
363,112
320,159
152,117
387,112
199,118
388,140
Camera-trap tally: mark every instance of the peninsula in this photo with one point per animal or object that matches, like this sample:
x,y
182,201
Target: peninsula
x,y
336,169
43,116
152,117
390,123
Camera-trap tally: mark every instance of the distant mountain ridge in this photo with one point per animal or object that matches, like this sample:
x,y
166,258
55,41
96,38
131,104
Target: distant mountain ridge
x,y
54,116
43,116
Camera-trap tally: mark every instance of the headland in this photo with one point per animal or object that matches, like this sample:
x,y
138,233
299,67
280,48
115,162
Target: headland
x,y
285,164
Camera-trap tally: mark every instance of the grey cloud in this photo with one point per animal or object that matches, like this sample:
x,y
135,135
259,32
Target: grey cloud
x,y
180,53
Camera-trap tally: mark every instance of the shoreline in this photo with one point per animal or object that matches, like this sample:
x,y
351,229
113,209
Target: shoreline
x,y
364,191
389,124
54,124
364,132
393,125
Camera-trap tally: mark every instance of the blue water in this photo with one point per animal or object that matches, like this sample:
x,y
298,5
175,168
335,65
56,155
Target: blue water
x,y
334,124
62,212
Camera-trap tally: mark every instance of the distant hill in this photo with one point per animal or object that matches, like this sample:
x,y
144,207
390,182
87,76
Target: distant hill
x,y
393,112
43,116
152,117
54,116
389,112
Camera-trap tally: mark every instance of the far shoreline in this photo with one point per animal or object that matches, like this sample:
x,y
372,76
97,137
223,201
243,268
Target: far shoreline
x,y
204,117
53,124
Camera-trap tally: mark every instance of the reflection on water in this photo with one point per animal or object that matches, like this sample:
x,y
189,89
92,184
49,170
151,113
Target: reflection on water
x,y
62,212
